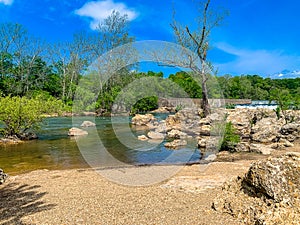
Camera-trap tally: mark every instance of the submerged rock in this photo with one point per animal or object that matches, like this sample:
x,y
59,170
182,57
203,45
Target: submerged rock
x,y
143,138
87,124
76,132
155,135
269,193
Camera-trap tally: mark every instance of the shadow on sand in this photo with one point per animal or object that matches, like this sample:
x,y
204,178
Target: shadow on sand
x,y
17,201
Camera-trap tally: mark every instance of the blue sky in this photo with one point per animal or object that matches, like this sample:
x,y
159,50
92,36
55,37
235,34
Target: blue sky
x,y
258,37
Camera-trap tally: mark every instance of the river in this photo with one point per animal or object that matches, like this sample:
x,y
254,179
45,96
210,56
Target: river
x,y
111,143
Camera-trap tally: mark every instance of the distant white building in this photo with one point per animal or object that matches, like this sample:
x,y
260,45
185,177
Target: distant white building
x,y
258,104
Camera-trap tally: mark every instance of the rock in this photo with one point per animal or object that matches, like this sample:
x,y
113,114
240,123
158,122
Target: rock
x,y
291,130
143,120
215,117
260,148
28,136
269,193
176,134
205,121
202,143
210,157
155,135
276,178
205,130
88,124
143,138
171,121
164,110
175,144
3,176
241,120
266,130
242,147
162,127
11,140
76,132
89,113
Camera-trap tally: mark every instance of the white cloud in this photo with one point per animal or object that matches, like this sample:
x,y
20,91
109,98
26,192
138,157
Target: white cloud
x,y
100,10
261,62
7,2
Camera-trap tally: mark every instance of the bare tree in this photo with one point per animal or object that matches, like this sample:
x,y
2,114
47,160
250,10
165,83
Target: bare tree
x,y
197,41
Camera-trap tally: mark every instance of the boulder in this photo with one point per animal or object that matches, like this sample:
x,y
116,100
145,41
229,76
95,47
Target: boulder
x,y
87,124
143,120
202,143
171,121
155,135
241,120
260,148
176,134
164,110
162,127
210,157
267,130
74,131
175,144
242,147
28,136
269,193
3,176
205,130
291,129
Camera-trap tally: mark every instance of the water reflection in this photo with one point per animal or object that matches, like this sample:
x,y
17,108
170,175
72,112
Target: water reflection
x,y
55,150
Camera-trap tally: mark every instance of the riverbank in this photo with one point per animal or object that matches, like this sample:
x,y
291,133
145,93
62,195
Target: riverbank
x,y
83,196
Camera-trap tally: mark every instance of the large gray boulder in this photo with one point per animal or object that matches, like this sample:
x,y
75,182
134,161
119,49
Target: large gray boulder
x,y
269,193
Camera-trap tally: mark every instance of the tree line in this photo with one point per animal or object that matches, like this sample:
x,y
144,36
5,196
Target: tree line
x,y
31,67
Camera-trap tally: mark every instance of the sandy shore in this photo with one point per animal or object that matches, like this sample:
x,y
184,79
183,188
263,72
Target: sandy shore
x,y
86,196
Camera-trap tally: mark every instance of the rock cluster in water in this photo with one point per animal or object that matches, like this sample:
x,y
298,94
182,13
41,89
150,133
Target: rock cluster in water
x,y
260,130
269,193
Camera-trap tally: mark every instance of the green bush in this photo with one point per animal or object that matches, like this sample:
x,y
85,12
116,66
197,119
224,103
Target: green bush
x,y
20,114
145,105
230,138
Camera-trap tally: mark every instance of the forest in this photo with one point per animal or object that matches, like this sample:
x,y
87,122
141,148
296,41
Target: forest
x,y
30,67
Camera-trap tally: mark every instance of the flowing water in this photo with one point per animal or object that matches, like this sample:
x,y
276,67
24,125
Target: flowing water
x,y
112,143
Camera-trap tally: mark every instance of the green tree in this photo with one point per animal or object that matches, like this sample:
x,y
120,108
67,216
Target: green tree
x,y
21,114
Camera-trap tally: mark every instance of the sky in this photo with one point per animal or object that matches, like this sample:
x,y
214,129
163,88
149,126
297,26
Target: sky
x,y
257,37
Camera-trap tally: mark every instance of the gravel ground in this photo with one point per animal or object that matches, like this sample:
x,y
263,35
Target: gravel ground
x,y
84,196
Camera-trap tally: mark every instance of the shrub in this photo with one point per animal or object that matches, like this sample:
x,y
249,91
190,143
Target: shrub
x,y
20,114
230,138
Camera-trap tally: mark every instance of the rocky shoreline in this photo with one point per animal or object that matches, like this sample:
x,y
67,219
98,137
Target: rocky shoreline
x,y
260,130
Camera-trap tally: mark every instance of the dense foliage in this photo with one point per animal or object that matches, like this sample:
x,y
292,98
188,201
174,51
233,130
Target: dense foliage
x,y
29,66
285,91
21,114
